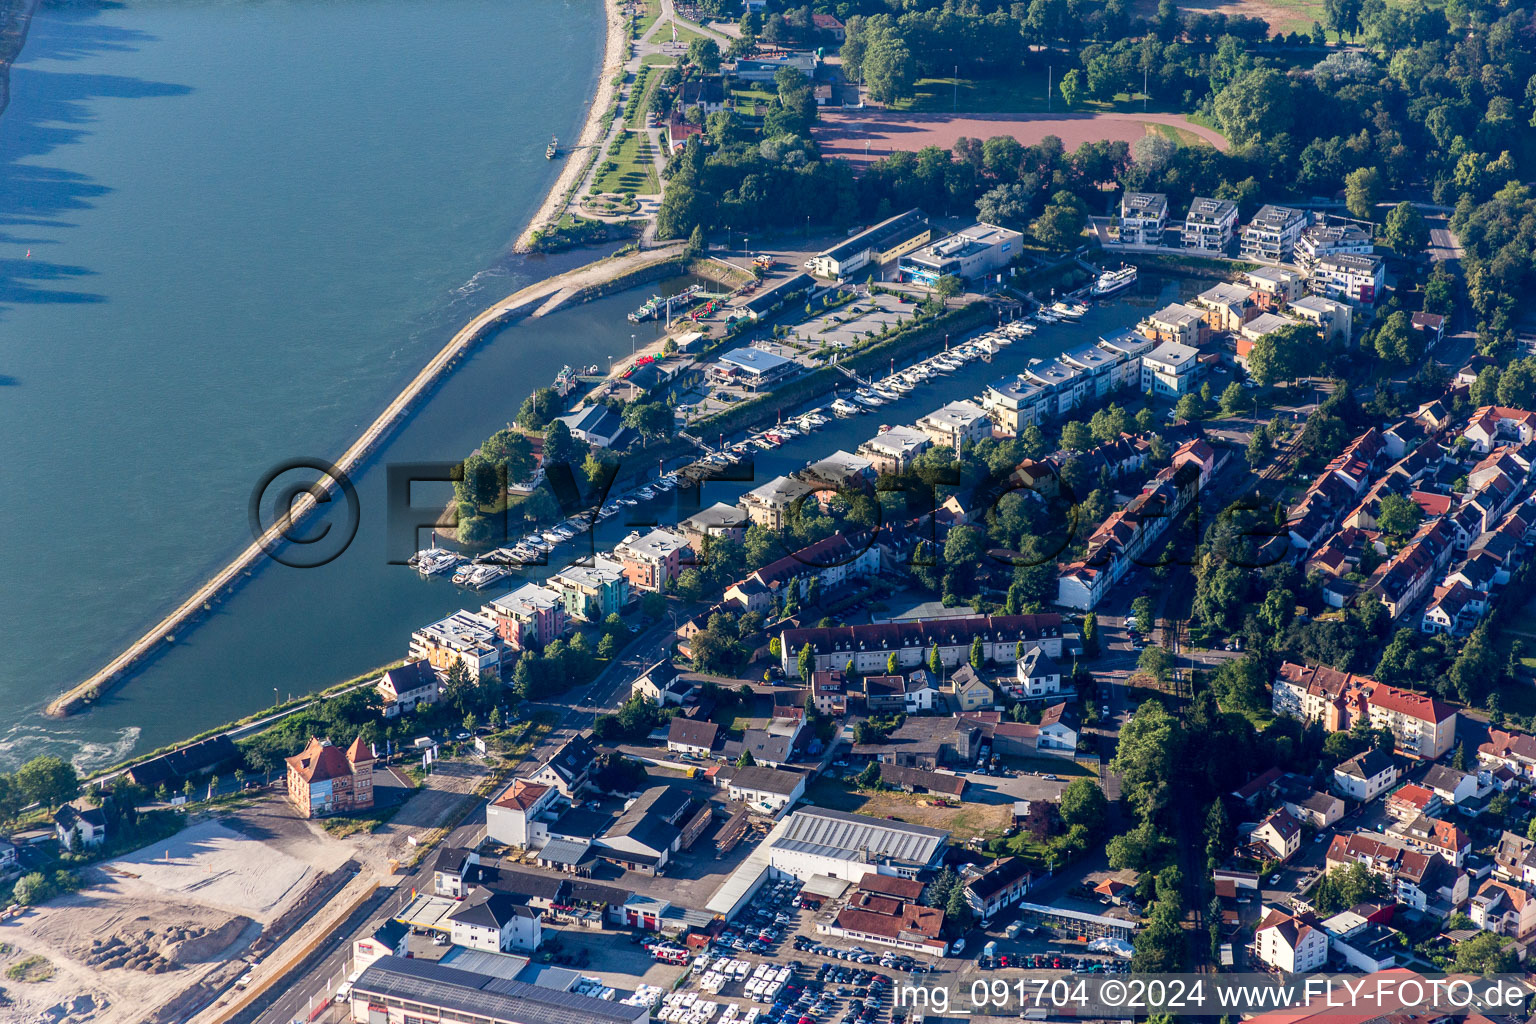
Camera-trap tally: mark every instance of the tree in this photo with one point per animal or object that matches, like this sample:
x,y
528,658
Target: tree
x,y
1362,188
1077,437
1071,87
947,287
891,664
806,662
1061,224
1189,407
1144,758
704,54
1142,612
607,647
49,780
559,445
746,760
1396,341
1255,104
1155,661
1406,231
869,777
978,658
31,888
1083,803
1484,954
1399,515
653,605
1232,398
889,69
935,662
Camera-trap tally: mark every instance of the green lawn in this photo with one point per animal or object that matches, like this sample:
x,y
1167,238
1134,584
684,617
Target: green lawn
x,y
631,169
640,97
652,59
652,11
1017,95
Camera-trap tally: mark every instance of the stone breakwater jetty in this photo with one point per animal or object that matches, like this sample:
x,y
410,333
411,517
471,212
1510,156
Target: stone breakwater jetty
x,y
538,299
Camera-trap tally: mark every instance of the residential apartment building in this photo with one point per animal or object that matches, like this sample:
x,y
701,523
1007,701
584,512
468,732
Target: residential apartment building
x,y
530,616
719,520
894,450
1365,776
1016,402
1354,277
775,501
1116,544
956,423
870,646
1290,943
1169,369
1503,908
1333,318
1319,240
650,561
1209,225
1423,726
1227,306
462,638
591,593
1143,216
1272,235
1178,323
1275,286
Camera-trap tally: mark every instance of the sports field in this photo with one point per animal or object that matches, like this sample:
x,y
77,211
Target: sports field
x,y
864,135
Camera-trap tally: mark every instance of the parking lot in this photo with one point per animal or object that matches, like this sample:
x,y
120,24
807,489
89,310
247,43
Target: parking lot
x,y
845,327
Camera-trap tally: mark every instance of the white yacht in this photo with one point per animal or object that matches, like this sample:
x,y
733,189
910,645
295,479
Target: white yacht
x,y
843,407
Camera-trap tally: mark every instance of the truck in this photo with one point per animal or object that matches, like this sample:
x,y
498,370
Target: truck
x,y
1013,930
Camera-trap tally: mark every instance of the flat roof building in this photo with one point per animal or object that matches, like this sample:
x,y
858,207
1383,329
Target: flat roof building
x,y
1143,216
752,368
954,424
968,254
395,989
1209,225
1272,235
893,450
818,841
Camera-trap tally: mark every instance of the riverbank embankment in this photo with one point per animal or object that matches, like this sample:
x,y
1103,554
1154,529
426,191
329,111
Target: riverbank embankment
x,y
520,303
563,192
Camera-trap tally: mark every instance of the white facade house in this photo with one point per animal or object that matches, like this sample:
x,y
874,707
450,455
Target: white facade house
x,y
1209,225
1289,943
1143,216
403,688
954,424
766,790
516,817
1169,369
1352,276
494,922
816,841
1272,235
1365,776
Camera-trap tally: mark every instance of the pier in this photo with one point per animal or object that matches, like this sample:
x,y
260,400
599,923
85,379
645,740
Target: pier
x,y
591,279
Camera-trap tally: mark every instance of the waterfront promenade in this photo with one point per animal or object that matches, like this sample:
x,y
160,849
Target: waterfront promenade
x,y
532,299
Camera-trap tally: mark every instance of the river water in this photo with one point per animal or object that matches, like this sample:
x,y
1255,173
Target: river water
x,y
230,230
250,223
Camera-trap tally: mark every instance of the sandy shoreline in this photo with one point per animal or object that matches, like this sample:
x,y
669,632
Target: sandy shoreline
x,y
592,131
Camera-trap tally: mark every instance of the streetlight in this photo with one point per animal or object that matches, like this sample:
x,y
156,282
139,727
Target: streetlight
x,y
631,346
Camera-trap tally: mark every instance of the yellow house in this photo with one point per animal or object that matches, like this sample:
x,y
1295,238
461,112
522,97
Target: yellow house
x,y
971,694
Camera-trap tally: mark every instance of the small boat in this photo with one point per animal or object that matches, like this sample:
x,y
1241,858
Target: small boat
x,y
551,538
1047,318
435,561
537,542
864,396
787,430
552,149
843,407
888,394
1068,312
1112,281
626,502
645,494
666,483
